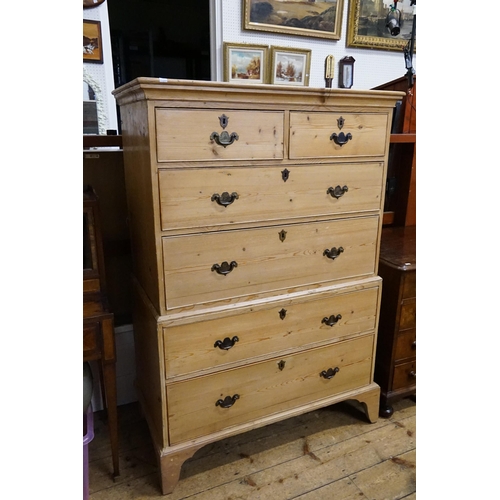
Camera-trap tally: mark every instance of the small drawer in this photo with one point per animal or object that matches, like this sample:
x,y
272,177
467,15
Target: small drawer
x,y
192,134
323,135
410,285
200,197
406,345
211,267
408,314
405,375
285,325
197,407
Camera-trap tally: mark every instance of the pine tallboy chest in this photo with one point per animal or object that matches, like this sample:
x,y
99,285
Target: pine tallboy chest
x,y
255,217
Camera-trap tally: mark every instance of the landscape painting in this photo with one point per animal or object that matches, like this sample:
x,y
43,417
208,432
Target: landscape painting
x,y
290,66
321,19
244,63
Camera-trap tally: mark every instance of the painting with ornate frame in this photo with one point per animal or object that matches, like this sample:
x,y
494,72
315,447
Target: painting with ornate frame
x,y
290,66
366,25
92,41
320,19
245,63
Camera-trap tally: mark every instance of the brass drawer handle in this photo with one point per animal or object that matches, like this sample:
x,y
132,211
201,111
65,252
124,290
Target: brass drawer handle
x,y
227,343
332,320
341,139
224,139
337,192
333,253
224,268
330,373
225,198
227,402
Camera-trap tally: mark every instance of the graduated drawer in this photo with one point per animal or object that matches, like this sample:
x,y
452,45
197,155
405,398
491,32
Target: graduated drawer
x,y
187,134
196,407
266,259
286,325
191,198
310,134
405,375
406,345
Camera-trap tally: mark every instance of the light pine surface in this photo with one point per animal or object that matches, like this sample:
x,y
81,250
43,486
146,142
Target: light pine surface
x,y
330,453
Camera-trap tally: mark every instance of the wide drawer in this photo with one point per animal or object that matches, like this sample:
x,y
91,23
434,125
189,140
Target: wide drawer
x,y
285,325
191,198
208,267
362,134
188,134
196,407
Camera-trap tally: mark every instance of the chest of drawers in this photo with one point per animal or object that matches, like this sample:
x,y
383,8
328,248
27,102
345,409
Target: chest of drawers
x,y
395,370
255,218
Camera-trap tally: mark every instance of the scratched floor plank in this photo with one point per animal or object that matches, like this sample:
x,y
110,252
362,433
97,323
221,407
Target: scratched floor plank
x,y
319,453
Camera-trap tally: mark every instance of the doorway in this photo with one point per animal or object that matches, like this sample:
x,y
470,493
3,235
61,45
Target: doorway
x,y
160,38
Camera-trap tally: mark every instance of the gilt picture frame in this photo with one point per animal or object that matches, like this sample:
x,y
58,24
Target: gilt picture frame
x,y
319,19
366,25
290,66
245,63
92,42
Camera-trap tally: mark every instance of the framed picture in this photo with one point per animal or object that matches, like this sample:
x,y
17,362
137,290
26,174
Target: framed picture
x,y
92,41
245,63
290,66
320,19
367,20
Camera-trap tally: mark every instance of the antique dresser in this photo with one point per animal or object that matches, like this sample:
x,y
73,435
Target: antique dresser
x,y
255,218
395,368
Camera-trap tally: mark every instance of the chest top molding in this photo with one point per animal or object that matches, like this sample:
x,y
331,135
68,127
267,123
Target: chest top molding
x,y
157,89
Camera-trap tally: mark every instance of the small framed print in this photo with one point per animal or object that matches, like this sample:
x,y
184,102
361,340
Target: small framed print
x,y
290,66
245,63
92,41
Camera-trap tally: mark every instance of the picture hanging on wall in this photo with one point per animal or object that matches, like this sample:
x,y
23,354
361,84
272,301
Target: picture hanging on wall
x,y
92,41
290,66
367,24
320,19
245,63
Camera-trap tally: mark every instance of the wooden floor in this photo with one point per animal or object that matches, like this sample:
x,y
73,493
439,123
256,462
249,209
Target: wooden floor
x,y
333,453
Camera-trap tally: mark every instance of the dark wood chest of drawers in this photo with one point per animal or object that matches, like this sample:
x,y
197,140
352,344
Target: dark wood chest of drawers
x,y
395,366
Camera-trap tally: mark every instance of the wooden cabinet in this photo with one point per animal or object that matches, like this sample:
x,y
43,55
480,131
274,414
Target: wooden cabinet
x,y
396,352
255,214
395,369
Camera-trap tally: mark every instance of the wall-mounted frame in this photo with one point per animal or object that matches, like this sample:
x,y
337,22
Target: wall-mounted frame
x,y
92,41
320,19
90,4
290,66
245,63
366,25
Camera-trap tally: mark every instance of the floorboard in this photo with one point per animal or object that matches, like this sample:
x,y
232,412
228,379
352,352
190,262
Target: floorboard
x,y
331,453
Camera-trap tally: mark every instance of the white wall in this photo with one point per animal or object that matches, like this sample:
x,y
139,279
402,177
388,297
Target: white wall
x,y
102,74
372,67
